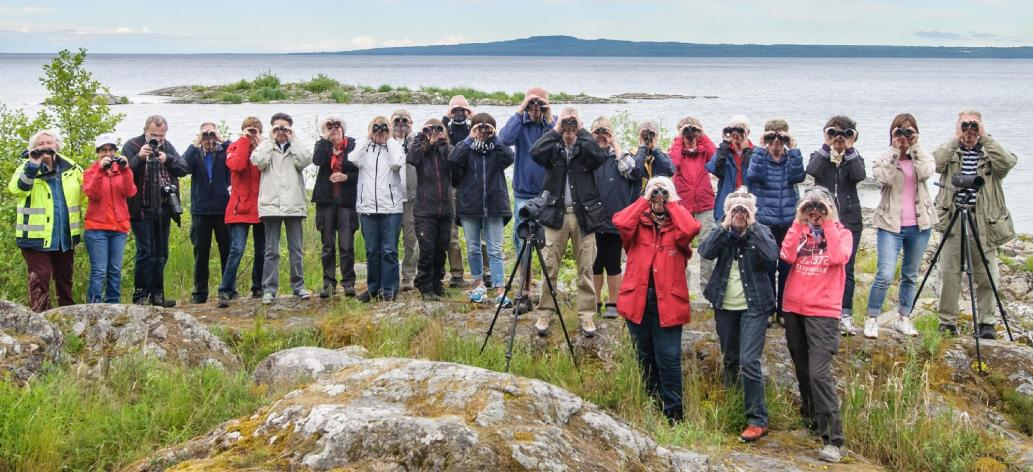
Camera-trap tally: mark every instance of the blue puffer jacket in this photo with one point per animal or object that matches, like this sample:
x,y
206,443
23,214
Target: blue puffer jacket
x,y
722,165
521,133
615,190
774,185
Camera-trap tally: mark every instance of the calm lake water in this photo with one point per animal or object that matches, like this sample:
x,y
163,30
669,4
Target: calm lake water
x,y
804,91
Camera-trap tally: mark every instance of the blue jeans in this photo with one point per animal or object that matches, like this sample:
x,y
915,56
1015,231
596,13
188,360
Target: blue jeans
x,y
381,231
913,242
238,242
741,335
106,249
490,231
659,357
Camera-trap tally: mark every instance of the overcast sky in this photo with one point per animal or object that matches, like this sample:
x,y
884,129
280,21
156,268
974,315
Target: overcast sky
x,y
189,26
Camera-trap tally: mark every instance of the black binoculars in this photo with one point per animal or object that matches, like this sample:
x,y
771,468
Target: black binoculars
x,y
380,128
903,132
38,153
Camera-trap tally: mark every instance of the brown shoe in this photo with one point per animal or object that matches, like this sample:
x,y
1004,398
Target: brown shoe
x,y
753,433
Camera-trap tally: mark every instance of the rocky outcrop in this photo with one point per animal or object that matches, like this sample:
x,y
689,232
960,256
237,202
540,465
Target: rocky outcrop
x,y
292,367
402,414
104,332
27,341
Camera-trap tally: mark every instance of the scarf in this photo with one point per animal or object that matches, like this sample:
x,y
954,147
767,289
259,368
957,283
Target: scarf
x,y
337,163
836,158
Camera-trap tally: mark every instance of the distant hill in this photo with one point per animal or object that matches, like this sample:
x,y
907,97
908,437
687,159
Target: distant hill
x,y
575,47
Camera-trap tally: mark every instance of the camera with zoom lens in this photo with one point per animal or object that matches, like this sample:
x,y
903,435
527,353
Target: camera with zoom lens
x,y
155,148
531,213
172,197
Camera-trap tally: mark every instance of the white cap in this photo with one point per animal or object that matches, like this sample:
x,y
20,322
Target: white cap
x,y
106,138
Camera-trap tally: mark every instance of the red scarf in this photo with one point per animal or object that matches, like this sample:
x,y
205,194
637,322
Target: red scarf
x,y
337,163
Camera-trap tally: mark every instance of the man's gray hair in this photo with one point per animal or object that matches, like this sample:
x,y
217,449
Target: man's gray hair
x,y
59,143
970,111
156,120
739,120
570,111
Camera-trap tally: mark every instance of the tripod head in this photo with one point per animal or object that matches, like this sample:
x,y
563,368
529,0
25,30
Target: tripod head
x,y
961,196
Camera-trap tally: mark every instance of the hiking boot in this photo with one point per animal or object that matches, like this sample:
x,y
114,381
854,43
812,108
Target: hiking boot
x,y
430,297
256,294
753,433
542,326
830,453
199,299
871,328
349,291
388,296
365,297
611,312
948,329
224,300
904,326
327,292
986,331
588,329
159,300
457,282
407,288
523,306
846,325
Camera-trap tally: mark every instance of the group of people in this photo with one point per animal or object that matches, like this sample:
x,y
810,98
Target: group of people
x,y
769,253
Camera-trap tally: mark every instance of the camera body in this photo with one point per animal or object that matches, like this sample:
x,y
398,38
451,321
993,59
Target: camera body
x,y
172,197
156,148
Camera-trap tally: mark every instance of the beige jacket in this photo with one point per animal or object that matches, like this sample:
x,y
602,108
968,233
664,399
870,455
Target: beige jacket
x,y
282,189
888,172
991,213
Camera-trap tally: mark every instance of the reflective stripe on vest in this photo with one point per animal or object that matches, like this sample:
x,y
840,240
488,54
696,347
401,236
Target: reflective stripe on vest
x,y
31,211
21,227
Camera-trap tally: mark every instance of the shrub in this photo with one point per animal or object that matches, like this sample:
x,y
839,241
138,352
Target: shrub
x,y
232,98
320,83
266,79
340,96
266,94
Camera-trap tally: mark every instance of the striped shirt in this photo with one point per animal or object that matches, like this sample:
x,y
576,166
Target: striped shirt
x,y
969,161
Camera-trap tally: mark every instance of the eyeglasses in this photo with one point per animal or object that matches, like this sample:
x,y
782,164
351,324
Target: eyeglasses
x,y
770,137
433,129
970,125
38,153
401,121
846,133
903,132
379,128
734,130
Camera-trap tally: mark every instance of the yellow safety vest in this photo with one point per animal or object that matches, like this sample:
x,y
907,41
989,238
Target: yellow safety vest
x,y
35,208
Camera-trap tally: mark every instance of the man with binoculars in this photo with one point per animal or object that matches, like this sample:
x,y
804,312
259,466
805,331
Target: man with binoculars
x,y
209,195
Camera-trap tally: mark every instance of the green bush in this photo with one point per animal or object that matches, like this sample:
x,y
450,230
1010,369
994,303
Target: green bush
x,y
232,98
266,79
240,86
267,94
340,96
320,83
384,88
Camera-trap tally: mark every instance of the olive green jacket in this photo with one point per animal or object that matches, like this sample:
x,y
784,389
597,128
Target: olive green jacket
x,y
991,213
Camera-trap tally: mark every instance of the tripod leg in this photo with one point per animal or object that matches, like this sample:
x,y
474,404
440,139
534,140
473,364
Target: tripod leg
x,y
966,266
936,257
498,309
552,293
989,276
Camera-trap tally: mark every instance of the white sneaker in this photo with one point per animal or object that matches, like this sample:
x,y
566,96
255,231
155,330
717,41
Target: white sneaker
x,y
871,327
830,453
904,326
846,325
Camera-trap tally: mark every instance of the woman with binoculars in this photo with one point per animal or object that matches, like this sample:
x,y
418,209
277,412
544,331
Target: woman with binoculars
x,y
109,184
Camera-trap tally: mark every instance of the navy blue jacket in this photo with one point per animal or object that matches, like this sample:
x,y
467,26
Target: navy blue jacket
x,y
662,164
615,190
480,181
722,165
209,194
522,133
755,251
774,185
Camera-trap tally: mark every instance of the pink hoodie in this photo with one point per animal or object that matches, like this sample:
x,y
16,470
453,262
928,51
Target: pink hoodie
x,y
816,280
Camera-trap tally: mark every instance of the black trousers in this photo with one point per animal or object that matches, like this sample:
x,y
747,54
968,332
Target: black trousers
x,y
812,341
779,270
433,235
337,226
151,232
201,229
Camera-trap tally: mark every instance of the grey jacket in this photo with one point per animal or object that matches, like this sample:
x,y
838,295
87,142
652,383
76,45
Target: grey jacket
x,y
282,189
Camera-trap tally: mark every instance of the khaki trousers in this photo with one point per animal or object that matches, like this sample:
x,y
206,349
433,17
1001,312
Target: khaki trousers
x,y
584,254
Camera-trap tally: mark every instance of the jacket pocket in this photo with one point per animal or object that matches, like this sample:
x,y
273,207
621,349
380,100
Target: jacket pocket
x,y
595,213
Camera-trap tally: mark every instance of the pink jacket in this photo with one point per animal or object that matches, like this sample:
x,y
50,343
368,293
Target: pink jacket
x,y
816,280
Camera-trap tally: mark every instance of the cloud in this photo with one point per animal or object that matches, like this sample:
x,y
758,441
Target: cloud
x,y
26,10
935,34
454,39
364,42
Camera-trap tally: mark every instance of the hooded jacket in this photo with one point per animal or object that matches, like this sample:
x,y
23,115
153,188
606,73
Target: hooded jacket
x,y
433,177
888,172
815,283
522,133
992,216
480,181
323,189
381,185
209,194
691,177
281,192
842,181
585,156
109,192
774,185
245,179
722,165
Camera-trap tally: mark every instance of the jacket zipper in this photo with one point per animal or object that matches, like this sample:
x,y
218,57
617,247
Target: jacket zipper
x,y
376,173
484,183
437,172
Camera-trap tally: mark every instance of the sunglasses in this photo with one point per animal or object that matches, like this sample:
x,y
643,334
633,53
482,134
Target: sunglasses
x,y
433,129
401,121
380,128
846,133
903,132
771,137
734,130
970,125
38,153
810,206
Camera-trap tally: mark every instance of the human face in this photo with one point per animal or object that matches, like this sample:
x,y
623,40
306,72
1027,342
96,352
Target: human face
x,y
736,135
45,141
969,134
434,132
282,131
106,150
602,137
208,133
775,141
155,131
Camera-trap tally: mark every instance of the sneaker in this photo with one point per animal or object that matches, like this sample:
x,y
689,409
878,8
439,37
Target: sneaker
x,y
611,312
327,292
830,453
904,326
871,327
267,298
986,331
846,325
588,329
947,329
479,294
224,300
303,294
504,301
753,433
542,326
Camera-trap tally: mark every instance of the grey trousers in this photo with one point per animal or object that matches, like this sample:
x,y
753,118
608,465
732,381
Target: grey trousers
x,y
295,237
410,247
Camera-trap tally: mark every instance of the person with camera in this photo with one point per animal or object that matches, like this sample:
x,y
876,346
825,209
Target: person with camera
x,y
402,131
157,168
334,194
817,247
650,160
209,194
617,189
242,212
282,203
972,152
742,296
457,125
657,234
478,165
381,192
48,189
570,155
903,221
533,119
731,160
774,171
689,152
838,167
108,184
433,212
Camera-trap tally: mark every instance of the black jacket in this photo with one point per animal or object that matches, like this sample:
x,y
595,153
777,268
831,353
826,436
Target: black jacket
x,y
433,177
585,157
842,181
209,194
322,190
615,190
456,133
480,181
174,165
755,251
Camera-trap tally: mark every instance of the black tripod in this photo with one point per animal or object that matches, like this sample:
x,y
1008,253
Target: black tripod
x,y
963,213
531,233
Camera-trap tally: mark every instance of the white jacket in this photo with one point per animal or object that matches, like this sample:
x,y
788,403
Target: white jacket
x,y
381,177
282,189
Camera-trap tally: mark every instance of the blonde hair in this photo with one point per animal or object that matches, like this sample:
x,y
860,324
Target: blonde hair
x,y
379,119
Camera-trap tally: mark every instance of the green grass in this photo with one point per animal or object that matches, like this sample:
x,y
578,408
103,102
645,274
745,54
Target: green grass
x,y
61,421
230,97
258,342
340,96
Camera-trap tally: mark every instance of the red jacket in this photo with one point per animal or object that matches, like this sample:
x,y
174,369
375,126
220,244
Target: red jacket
x,y
108,191
244,180
665,254
691,179
816,280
